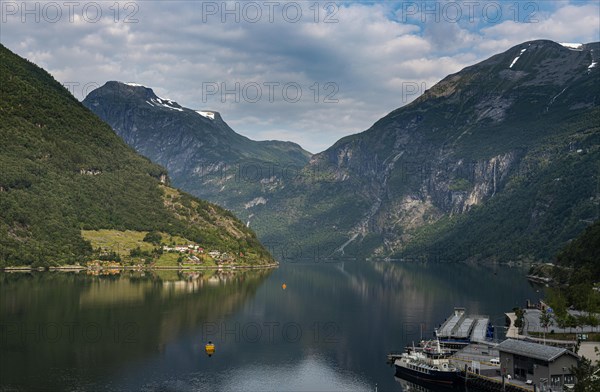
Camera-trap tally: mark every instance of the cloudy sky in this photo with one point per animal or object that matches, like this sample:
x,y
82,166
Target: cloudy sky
x,y
303,71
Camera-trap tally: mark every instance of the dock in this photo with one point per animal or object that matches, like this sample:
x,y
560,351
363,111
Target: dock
x,y
450,324
477,370
479,333
493,383
461,329
527,364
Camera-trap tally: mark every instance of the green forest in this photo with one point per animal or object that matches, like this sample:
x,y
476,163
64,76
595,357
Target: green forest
x,y
62,170
577,274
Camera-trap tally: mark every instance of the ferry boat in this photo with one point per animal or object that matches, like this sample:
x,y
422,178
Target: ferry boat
x,y
429,363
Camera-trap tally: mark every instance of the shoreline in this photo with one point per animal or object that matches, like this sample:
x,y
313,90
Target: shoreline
x,y
77,268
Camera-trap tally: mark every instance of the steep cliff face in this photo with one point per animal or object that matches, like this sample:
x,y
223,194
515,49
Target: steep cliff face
x,y
425,170
400,194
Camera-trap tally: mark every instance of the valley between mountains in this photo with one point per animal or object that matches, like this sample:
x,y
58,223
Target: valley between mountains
x,y
497,162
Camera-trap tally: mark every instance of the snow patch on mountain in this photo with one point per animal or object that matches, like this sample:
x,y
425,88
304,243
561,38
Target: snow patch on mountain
x,y
210,115
134,84
517,58
166,103
572,46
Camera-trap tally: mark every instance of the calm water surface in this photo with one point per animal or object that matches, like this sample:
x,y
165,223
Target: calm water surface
x,y
328,329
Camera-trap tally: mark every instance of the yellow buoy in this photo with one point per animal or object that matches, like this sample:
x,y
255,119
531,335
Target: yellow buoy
x,y
209,348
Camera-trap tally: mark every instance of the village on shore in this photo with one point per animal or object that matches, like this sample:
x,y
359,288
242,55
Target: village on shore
x,y
189,256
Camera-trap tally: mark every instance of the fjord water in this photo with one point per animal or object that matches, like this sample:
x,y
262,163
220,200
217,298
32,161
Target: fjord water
x,y
329,328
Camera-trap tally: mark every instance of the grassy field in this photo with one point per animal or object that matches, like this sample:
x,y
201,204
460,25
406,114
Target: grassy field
x,y
122,242
167,260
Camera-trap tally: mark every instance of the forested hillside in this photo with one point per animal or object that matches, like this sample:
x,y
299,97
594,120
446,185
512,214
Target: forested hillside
x,y
62,170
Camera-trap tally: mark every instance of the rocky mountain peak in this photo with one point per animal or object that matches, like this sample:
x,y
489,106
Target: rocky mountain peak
x,y
124,90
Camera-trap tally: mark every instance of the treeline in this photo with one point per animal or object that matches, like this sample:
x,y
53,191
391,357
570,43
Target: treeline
x,y
577,276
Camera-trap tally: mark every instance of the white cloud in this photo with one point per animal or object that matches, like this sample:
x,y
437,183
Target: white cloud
x,y
570,23
374,59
